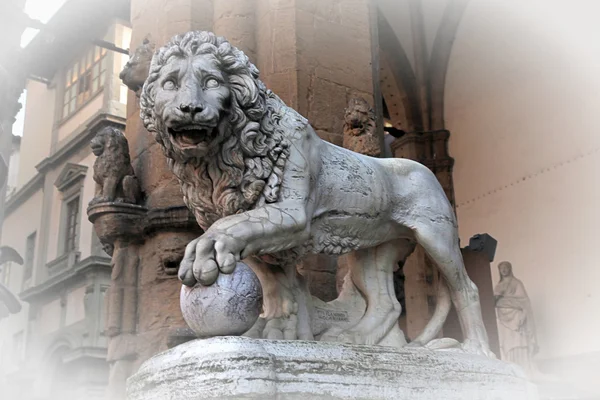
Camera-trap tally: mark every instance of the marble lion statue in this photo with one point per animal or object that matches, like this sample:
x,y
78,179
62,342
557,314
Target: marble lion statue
x,y
267,190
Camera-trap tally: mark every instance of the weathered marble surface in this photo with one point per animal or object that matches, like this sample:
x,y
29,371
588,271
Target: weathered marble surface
x,y
267,190
242,368
230,306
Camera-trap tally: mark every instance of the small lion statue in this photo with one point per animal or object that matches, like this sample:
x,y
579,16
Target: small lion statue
x,y
359,128
267,190
135,72
113,173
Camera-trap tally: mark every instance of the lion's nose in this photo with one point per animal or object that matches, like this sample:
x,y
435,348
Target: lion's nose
x,y
191,108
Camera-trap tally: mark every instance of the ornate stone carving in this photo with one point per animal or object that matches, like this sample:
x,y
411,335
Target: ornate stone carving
x,y
119,227
113,173
266,189
516,325
360,134
119,224
135,72
230,306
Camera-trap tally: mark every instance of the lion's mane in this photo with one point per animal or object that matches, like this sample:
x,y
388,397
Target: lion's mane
x,y
247,168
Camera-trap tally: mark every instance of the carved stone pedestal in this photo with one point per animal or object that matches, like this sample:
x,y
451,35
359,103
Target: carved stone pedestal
x,y
120,226
242,368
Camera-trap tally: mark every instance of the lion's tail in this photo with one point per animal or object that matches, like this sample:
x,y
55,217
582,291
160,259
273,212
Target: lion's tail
x,y
435,324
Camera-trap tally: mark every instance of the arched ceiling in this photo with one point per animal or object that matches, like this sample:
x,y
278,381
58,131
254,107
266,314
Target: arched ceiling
x,y
416,38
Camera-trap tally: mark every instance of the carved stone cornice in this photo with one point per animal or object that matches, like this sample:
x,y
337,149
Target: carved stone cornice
x,y
62,263
71,174
170,218
133,223
81,353
423,146
80,139
79,270
24,193
118,221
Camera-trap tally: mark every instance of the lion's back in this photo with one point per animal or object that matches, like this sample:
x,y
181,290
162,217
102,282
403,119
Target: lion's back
x,y
350,180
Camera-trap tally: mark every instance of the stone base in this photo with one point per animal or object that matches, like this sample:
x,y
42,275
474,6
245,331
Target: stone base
x,y
243,368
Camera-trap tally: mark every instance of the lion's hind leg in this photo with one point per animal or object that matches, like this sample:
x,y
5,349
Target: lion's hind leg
x,y
440,241
285,295
372,273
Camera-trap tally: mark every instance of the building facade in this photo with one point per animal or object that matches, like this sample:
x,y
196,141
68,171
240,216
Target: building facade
x,y
498,97
56,346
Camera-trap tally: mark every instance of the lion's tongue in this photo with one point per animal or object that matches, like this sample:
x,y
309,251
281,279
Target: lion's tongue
x,y
192,137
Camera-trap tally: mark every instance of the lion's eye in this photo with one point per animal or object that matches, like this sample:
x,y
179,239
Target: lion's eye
x,y
211,83
169,85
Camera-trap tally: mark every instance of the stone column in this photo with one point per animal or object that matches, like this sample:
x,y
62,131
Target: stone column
x,y
143,315
316,55
120,228
236,20
292,43
169,226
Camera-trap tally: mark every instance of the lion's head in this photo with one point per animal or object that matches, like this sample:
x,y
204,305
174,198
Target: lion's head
x,y
359,118
216,122
110,140
135,72
359,128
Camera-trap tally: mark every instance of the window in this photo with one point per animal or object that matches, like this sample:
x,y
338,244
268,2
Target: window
x,y
71,222
70,184
29,257
84,79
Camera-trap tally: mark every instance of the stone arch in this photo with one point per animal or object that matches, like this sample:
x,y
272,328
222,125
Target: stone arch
x,y
440,57
55,376
397,81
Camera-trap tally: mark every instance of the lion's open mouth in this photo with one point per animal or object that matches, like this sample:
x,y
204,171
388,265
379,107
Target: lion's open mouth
x,y
192,135
97,148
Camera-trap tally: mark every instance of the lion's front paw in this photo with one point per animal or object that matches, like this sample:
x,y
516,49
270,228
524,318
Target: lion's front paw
x,y
208,255
99,200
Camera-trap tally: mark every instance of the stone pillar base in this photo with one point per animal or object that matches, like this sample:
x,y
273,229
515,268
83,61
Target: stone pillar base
x,y
243,368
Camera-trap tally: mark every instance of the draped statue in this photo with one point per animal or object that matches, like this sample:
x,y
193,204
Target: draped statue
x,y
518,340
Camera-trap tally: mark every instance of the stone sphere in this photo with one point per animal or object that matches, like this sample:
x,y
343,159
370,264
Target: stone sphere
x,y
228,307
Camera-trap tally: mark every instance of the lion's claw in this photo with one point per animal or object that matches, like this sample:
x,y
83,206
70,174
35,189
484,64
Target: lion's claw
x,y
206,272
186,275
207,256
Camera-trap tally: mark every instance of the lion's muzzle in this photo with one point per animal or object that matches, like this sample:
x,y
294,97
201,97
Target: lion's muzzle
x,y
193,134
97,147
